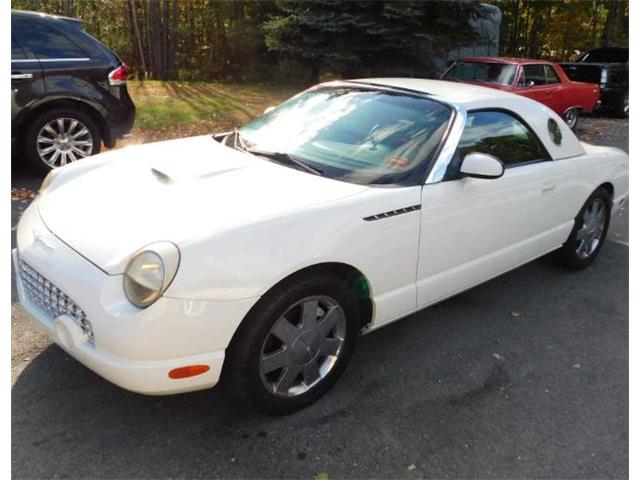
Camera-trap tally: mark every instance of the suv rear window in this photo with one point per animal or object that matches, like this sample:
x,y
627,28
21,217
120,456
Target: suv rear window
x,y
47,42
605,56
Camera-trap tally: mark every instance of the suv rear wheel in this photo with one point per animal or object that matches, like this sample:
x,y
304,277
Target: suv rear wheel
x,y
623,106
60,136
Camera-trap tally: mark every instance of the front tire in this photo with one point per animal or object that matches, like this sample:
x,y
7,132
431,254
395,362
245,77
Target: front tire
x,y
60,136
293,345
589,232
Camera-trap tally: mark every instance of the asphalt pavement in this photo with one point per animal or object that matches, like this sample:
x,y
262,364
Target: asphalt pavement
x,y
525,376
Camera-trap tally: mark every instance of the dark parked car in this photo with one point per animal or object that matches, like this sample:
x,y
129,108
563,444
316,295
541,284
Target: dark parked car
x,y
608,66
68,91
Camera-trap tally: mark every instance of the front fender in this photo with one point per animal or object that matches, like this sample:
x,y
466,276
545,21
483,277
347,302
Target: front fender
x,y
247,261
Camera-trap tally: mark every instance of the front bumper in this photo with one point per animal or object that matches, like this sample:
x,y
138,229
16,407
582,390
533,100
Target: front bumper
x,y
133,348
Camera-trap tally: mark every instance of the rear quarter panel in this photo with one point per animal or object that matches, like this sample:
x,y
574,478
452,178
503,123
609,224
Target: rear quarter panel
x,y
582,95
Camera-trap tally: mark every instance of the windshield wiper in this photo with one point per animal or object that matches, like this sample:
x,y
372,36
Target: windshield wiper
x,y
285,158
238,141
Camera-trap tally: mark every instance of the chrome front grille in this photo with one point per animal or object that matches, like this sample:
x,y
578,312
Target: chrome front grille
x,y
53,301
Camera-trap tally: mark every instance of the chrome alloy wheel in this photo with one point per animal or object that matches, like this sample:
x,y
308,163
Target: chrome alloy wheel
x,y
571,117
303,346
64,140
589,235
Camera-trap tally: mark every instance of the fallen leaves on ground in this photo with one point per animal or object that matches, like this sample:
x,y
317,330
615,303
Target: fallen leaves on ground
x,y
23,195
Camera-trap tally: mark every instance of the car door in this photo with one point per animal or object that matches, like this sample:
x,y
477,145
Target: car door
x,y
558,102
27,85
533,84
67,64
473,229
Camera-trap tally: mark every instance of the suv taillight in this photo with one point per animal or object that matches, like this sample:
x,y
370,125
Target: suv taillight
x,y
119,76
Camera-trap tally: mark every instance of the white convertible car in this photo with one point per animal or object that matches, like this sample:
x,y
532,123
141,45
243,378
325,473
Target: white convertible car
x,y
259,255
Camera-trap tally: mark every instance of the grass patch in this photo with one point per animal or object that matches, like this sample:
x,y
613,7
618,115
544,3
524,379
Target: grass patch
x,y
162,106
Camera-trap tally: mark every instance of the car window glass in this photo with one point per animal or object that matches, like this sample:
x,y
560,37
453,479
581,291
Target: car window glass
x,y
554,131
354,134
17,53
533,73
605,56
46,41
501,135
490,72
552,76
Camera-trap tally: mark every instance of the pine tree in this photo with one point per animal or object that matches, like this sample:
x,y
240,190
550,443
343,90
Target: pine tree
x,y
369,37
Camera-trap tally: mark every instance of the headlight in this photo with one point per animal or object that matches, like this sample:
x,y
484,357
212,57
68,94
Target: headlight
x,y
150,272
48,179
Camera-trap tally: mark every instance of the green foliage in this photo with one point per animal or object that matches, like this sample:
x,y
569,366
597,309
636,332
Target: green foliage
x,y
560,29
292,41
364,37
321,476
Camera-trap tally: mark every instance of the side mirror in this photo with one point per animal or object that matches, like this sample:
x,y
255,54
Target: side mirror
x,y
269,109
530,84
481,165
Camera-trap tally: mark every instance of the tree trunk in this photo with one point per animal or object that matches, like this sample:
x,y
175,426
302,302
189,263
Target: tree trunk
x,y
314,76
174,42
155,39
594,21
134,21
165,39
609,26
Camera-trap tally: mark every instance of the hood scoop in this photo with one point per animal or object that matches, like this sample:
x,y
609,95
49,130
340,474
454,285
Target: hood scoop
x,y
161,176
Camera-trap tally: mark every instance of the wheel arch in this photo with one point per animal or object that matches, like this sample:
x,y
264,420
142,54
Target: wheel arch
x,y
580,109
608,186
356,281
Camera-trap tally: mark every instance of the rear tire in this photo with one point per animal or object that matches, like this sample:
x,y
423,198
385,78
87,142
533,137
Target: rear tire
x,y
588,233
38,138
571,118
622,110
280,390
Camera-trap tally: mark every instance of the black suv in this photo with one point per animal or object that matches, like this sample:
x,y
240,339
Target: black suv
x,y
608,66
68,91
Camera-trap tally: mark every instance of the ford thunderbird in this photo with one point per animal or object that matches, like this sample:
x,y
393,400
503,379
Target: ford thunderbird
x,y
258,256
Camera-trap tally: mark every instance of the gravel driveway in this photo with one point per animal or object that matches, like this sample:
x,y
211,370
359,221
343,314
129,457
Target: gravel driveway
x,y
524,376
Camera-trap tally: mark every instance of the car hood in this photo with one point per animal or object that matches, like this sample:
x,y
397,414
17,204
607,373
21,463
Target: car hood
x,y
111,205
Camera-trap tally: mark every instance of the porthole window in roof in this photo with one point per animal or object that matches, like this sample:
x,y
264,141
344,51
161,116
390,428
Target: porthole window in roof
x,y
554,131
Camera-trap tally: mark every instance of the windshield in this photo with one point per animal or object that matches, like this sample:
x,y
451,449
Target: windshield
x,y
606,56
358,135
490,72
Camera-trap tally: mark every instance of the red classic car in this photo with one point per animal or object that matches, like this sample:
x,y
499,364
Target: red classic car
x,y
540,80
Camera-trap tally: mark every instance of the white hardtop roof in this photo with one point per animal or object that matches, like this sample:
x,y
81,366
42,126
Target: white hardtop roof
x,y
454,92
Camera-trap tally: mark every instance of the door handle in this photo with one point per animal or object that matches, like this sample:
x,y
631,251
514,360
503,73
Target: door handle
x,y
548,188
21,76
